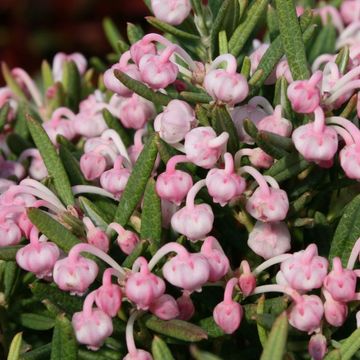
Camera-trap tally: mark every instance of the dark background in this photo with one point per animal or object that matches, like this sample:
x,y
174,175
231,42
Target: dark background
x,y
31,30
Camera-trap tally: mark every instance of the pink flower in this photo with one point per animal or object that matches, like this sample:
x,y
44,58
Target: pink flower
x,y
335,311
127,240
247,280
350,11
59,62
172,12
276,124
317,346
186,306
165,307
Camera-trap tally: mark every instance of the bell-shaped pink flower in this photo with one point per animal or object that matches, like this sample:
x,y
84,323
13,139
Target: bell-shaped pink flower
x,y
177,119
92,165
304,270
350,161
142,288
193,221
304,95
340,282
203,147
108,297
59,62
38,257
141,48
75,273
269,239
135,111
317,346
275,123
228,313
225,185
37,169
10,233
91,326
165,307
247,280
96,236
218,261
335,311
172,12
306,313
127,240
350,11
157,70
226,86
186,306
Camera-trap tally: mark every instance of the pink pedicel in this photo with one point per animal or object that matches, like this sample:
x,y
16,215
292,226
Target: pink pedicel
x,y
276,124
126,239
61,58
173,185
247,280
217,260
340,282
172,12
92,165
304,95
96,236
157,70
193,221
114,84
304,270
38,257
267,203
186,306
315,141
115,179
226,86
306,313
269,239
108,297
177,119
335,311
92,326
317,346
75,273
203,147
225,185
135,111
228,313
142,288
165,307
185,270
350,11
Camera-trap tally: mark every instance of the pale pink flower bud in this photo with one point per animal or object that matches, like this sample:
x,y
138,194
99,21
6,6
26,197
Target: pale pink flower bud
x,y
175,121
305,270
141,48
165,307
142,288
91,326
247,280
306,313
60,124
350,160
59,62
203,147
275,123
127,240
96,236
135,111
186,306
269,239
260,159
172,12
218,261
304,95
10,233
335,311
317,346
92,165
350,11
228,313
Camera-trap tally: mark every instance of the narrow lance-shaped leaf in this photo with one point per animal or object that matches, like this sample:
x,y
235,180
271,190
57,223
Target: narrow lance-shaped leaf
x,y
291,38
47,76
42,352
112,33
134,32
324,42
98,217
151,217
202,355
275,345
8,253
347,349
72,166
36,321
11,82
72,85
223,43
142,90
10,279
160,350
4,113
136,184
64,345
15,347
261,330
342,59
52,161
113,123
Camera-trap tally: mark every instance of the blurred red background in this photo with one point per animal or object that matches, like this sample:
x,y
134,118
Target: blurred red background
x,y
31,30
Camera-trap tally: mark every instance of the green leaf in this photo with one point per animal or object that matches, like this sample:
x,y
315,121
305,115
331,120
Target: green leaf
x,y
160,350
142,90
151,217
272,23
134,32
11,276
64,345
246,67
221,121
202,355
291,38
15,347
17,144
324,42
4,112
281,142
347,349
97,216
280,97
72,166
275,346
171,29
232,18
136,184
36,321
8,253
223,43
52,161
55,232
347,232
12,83
138,251
201,115
177,329
211,328
72,85
196,97
113,123
47,76
112,33
261,330
244,30
40,353
342,59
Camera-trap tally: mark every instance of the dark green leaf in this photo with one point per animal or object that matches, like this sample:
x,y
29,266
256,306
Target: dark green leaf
x,y
195,97
11,275
40,353
36,321
160,350
113,123
347,349
202,355
4,112
72,85
72,166
17,144
8,253
324,42
98,217
211,328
